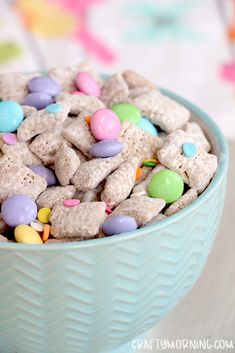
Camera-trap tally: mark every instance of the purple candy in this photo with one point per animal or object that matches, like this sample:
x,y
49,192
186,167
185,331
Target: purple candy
x,y
44,84
18,209
45,173
106,148
119,224
38,100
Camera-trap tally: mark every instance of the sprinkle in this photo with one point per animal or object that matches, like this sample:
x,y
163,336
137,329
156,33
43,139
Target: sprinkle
x,y
108,210
88,119
138,173
71,202
44,215
38,226
46,232
150,163
9,138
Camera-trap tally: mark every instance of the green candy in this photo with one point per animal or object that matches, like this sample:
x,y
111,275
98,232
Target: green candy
x,y
166,185
126,111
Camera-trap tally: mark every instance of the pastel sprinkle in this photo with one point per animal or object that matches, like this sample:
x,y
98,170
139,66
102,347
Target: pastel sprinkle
x,y
150,163
44,215
88,119
9,138
138,173
46,232
108,210
189,149
53,108
71,202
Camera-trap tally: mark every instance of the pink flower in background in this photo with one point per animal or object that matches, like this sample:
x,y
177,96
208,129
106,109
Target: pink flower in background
x,y
54,18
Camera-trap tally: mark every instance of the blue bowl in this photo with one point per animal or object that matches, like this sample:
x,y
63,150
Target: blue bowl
x,y
95,296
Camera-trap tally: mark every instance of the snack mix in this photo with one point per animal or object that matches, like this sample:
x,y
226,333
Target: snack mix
x,y
84,158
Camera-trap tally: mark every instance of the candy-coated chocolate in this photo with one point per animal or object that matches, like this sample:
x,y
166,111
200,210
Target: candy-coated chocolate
x,y
119,224
38,100
38,226
189,149
18,209
105,125
71,202
146,125
166,185
45,173
9,138
53,108
11,116
127,111
44,215
106,148
44,84
27,235
87,84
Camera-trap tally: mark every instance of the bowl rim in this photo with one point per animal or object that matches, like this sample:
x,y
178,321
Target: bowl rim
x,y
106,241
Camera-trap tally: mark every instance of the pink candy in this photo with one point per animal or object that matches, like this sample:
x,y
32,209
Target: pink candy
x,y
86,84
108,210
105,125
71,202
9,138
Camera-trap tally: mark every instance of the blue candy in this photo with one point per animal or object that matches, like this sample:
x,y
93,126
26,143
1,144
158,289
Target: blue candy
x,y
189,149
106,148
119,224
11,116
146,125
53,108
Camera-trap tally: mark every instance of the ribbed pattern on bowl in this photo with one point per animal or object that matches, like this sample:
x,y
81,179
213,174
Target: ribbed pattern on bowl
x,y
93,299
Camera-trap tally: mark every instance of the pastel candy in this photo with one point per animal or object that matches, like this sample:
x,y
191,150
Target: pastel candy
x,y
86,84
71,202
11,116
9,138
146,125
38,100
53,108
18,209
189,149
27,235
105,125
44,84
106,148
44,215
166,185
127,111
119,224
44,172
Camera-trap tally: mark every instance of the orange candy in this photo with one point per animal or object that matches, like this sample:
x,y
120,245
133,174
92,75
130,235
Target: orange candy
x,y
46,232
138,173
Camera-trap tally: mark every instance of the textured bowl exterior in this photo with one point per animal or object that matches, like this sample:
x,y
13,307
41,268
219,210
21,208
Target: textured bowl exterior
x,y
94,296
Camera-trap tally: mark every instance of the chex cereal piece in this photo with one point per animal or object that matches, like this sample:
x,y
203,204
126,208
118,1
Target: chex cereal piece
x,y
142,187
90,195
196,171
41,121
3,226
14,86
66,164
81,221
79,134
3,239
66,76
120,183
28,110
69,240
141,208
181,203
16,178
91,173
114,90
21,149
135,80
156,219
55,194
162,110
138,92
194,130
137,142
78,103
81,156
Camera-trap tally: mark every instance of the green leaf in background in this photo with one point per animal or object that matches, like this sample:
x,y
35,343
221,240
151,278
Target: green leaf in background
x,y
9,51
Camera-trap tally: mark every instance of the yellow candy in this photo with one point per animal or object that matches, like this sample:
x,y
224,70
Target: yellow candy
x,y
44,215
27,235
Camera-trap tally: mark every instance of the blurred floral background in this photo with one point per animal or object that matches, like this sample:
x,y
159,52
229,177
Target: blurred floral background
x,y
184,45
